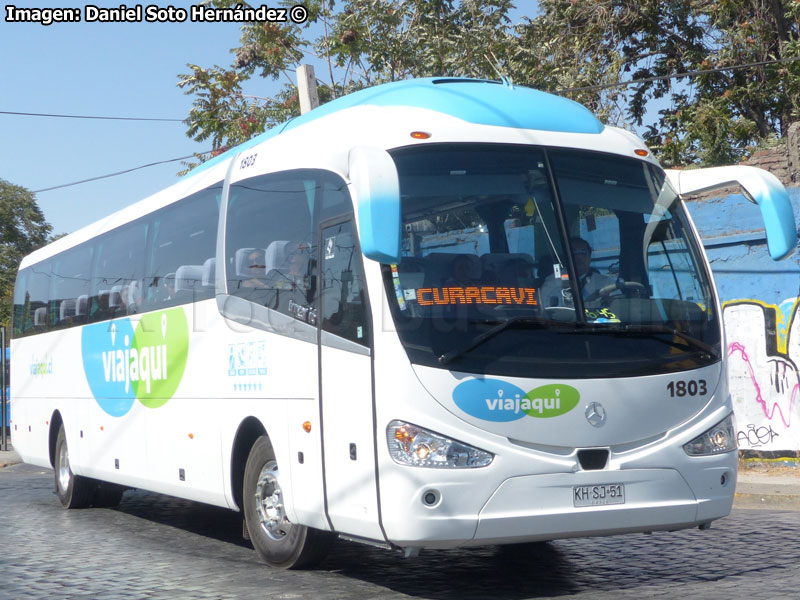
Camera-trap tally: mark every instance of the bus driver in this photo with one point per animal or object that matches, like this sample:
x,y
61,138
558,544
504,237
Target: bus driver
x,y
557,292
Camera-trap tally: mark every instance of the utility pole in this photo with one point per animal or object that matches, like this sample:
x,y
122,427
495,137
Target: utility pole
x,y
307,88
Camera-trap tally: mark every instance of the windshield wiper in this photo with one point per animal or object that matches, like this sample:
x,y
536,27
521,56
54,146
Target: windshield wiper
x,y
691,342
500,325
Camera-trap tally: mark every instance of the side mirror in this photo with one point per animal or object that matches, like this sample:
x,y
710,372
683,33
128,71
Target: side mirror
x,y
760,187
373,176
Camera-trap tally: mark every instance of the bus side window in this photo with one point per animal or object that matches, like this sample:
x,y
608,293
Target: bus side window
x,y
118,264
38,286
269,242
342,289
71,282
22,305
180,264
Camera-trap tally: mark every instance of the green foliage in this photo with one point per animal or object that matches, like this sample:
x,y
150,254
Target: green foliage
x,y
716,117
23,229
363,42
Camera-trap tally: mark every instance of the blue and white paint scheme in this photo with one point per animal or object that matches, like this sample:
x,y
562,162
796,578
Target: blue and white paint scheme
x,y
392,392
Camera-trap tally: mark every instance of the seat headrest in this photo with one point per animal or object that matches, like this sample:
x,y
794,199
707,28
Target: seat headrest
x,y
40,316
247,267
82,306
115,297
277,255
66,309
209,272
187,277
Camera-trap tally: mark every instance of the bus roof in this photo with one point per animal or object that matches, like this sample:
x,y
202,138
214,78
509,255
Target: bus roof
x,y
477,101
474,101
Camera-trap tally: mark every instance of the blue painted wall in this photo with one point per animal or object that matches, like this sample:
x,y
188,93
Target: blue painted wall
x,y
762,323
733,236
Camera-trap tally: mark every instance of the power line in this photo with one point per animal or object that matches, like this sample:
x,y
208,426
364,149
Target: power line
x,y
605,86
562,91
586,88
153,164
27,114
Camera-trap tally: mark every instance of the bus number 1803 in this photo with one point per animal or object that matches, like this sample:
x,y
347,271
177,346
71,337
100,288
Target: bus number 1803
x,y
691,387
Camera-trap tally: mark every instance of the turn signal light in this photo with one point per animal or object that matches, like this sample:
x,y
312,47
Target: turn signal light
x,y
420,135
307,426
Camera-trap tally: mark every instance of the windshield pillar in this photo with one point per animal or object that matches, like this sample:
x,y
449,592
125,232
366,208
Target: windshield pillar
x,y
574,283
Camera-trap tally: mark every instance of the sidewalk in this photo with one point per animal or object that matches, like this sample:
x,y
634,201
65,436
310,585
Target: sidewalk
x,y
773,488
8,457
769,487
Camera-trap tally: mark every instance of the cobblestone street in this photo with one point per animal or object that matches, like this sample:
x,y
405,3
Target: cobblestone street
x,y
155,546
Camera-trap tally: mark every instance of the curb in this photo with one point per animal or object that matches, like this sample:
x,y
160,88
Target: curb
x,y
9,457
766,501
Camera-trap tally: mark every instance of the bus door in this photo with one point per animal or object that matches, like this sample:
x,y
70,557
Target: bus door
x,y
348,428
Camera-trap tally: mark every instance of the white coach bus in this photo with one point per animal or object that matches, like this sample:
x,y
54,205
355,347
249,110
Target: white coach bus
x,y
430,314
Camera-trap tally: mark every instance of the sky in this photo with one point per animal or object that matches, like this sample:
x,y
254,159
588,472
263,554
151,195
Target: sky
x,y
102,69
105,69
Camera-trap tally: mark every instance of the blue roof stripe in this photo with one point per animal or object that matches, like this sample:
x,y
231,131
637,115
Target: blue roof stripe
x,y
473,100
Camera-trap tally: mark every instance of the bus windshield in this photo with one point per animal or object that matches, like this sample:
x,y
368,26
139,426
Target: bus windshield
x,y
547,262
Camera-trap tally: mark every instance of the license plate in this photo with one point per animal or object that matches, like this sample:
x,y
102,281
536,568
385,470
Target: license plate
x,y
598,495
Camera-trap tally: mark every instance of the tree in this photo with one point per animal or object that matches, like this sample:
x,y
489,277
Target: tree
x,y
23,229
716,117
363,43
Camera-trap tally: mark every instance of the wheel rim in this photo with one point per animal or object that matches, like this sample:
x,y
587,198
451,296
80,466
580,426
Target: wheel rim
x,y
269,503
64,474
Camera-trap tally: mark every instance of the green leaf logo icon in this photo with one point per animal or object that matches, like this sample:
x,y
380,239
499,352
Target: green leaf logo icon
x,y
158,356
551,400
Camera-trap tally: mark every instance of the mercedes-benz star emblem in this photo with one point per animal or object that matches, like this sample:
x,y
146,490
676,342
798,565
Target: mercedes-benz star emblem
x,y
596,414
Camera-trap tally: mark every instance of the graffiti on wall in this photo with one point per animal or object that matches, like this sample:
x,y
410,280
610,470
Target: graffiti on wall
x,y
764,354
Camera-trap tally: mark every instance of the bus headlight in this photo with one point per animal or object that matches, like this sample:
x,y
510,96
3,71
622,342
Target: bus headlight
x,y
720,438
417,447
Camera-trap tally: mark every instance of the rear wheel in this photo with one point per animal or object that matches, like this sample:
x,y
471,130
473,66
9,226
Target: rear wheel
x,y
278,542
72,490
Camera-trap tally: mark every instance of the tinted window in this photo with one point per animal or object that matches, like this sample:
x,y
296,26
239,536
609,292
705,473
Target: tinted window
x,y
181,261
270,242
342,287
126,270
31,300
119,272
71,286
21,310
563,260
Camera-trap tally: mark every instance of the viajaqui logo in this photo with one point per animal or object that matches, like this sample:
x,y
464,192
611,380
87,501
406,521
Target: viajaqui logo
x,y
123,364
499,401
41,366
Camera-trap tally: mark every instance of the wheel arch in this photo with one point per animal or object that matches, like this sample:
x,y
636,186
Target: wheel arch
x,y
250,429
56,422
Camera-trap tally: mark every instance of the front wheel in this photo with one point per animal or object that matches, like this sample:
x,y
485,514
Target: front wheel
x,y
72,490
278,542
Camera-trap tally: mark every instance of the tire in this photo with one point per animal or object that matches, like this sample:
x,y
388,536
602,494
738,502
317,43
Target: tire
x,y
72,490
107,495
278,542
